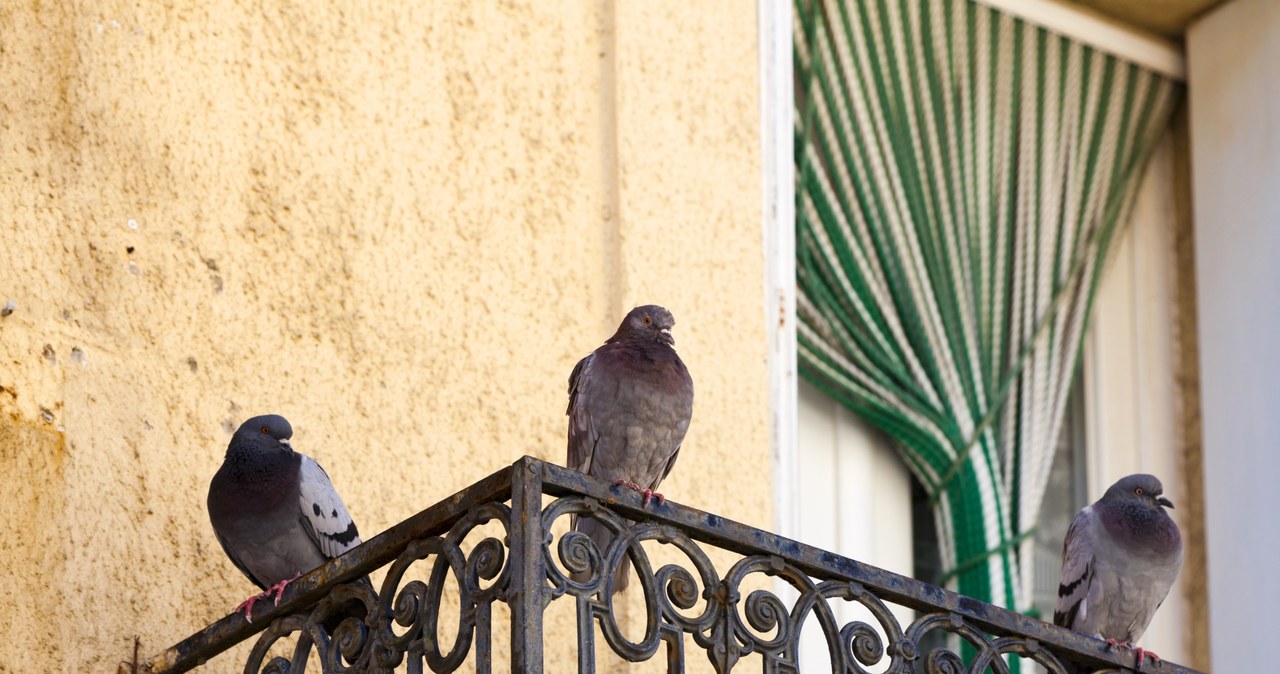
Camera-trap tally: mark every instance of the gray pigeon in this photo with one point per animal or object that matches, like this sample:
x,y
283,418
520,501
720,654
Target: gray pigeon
x,y
630,402
274,511
1119,559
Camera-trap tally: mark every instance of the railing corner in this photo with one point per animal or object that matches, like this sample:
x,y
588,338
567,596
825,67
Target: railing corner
x,y
528,571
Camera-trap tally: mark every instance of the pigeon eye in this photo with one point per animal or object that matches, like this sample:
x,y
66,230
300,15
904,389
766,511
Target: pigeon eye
x,y
1138,491
266,431
648,320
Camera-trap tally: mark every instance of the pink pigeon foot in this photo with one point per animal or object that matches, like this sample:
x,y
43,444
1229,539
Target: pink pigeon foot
x,y
629,485
278,588
247,605
649,494
1143,653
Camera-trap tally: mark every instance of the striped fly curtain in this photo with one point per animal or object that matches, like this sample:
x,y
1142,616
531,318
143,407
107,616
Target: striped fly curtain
x,y
960,177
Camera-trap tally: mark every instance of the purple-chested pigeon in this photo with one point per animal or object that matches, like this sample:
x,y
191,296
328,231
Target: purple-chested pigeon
x,y
274,511
1119,559
630,402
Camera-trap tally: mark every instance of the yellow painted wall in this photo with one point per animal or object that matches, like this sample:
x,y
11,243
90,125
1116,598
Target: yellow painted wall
x,y
397,225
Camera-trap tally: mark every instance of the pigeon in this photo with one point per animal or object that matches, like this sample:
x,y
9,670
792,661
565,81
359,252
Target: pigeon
x,y
630,402
274,511
1120,557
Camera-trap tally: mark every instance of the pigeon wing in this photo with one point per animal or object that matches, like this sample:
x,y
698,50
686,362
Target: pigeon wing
x,y
582,432
1077,572
670,462
323,514
231,554
670,404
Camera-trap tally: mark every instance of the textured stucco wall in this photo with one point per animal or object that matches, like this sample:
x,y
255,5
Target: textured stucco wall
x,y
397,225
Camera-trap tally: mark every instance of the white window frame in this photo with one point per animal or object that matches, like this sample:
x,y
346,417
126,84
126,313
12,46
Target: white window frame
x,y
1112,447
777,120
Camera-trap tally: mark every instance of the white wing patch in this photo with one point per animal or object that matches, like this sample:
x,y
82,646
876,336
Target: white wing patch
x,y
323,514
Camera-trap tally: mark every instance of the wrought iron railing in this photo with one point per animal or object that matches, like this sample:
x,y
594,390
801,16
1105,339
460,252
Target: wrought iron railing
x,y
527,568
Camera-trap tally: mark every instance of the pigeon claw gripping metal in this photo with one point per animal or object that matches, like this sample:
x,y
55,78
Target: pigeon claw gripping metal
x,y
649,494
1141,652
278,588
246,606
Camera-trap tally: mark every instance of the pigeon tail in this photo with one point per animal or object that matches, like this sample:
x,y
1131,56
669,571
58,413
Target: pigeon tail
x,y
602,537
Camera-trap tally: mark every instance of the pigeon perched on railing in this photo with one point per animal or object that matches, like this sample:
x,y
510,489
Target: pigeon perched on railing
x,y
274,511
1120,557
630,402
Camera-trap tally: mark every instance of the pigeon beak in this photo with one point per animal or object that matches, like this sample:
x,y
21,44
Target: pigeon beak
x,y
666,336
286,443
1164,502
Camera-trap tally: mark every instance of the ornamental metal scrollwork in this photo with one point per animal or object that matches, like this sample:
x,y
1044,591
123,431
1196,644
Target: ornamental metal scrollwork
x,y
729,627
665,620
403,619
494,542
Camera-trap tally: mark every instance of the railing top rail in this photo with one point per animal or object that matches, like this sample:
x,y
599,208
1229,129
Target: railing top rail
x,y
708,528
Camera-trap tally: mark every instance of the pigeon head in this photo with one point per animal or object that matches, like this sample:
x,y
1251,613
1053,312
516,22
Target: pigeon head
x,y
267,432
649,322
1139,489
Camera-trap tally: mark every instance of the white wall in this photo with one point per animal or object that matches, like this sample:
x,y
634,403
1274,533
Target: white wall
x,y
853,498
856,495
1235,136
1130,404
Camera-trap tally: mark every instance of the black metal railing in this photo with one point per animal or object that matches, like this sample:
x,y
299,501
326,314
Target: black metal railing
x,y
517,561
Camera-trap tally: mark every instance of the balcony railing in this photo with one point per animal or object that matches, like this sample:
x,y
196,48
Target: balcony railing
x,y
524,567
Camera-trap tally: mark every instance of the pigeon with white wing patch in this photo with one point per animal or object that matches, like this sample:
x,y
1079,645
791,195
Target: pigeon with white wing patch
x,y
1119,560
275,511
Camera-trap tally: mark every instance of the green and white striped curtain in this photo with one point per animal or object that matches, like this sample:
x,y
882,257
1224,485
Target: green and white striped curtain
x,y
961,175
